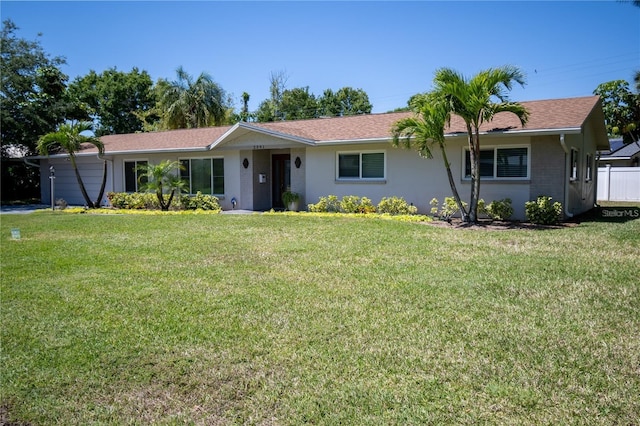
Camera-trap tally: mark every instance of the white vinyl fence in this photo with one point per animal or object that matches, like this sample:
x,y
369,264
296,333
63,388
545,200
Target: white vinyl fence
x,y
618,183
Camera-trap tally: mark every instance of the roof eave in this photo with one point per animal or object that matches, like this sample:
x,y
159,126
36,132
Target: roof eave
x,y
124,152
527,132
352,141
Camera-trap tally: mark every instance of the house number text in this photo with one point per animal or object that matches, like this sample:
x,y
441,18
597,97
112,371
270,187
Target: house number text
x,y
258,147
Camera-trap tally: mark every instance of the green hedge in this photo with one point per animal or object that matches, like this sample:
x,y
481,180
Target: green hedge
x,y
149,201
355,204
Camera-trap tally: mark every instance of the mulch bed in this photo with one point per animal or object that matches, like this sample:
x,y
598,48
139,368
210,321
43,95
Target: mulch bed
x,y
496,225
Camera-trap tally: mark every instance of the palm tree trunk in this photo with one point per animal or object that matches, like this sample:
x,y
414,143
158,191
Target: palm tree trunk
x,y
160,197
104,184
452,183
474,151
79,179
173,191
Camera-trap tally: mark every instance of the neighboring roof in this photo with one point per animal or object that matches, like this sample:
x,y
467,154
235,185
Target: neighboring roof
x,y
625,152
553,116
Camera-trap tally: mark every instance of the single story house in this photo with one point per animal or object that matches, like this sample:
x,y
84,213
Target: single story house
x,y
251,164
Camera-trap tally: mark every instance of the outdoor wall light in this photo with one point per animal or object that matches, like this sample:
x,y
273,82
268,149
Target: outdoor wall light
x,y
245,163
298,162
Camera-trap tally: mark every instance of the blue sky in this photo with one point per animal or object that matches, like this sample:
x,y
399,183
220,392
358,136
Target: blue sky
x,y
389,49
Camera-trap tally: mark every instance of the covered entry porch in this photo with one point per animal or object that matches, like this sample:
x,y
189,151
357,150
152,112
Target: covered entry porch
x,y
266,173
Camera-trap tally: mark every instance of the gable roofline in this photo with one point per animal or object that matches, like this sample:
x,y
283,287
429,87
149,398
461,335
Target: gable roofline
x,y
249,127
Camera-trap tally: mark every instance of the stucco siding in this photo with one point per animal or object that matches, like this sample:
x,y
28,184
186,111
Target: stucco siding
x,y
416,179
298,174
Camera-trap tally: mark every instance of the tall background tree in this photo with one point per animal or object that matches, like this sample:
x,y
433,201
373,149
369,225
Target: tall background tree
x,y
346,101
69,138
32,92
117,100
621,109
269,109
188,103
474,101
299,103
33,102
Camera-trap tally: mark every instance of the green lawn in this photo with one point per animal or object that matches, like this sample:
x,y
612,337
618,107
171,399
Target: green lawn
x,y
285,320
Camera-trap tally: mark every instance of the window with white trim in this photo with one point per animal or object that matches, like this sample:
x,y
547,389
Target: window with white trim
x,y
203,174
361,165
573,171
134,178
501,163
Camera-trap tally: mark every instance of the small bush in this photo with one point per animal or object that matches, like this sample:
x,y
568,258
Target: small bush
x,y
395,206
448,208
354,204
199,201
329,204
133,200
500,209
542,211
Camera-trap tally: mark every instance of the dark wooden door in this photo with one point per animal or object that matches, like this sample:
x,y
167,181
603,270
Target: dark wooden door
x,y
280,179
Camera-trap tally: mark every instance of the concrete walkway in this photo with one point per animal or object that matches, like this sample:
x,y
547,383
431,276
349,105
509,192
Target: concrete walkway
x,y
23,209
238,212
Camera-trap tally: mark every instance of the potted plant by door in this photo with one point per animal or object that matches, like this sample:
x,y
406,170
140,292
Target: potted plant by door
x,y
291,200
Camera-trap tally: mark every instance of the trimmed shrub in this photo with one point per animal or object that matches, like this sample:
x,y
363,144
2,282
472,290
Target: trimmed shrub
x,y
133,200
500,209
395,206
542,211
149,201
200,201
355,204
448,208
329,204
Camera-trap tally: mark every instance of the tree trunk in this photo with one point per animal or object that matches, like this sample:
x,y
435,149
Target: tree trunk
x,y
474,152
79,179
160,197
98,202
173,191
452,183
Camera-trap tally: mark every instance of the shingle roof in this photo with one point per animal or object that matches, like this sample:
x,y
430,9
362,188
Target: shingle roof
x,y
624,152
569,113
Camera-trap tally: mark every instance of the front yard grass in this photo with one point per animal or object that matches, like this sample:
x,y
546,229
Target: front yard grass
x,y
292,319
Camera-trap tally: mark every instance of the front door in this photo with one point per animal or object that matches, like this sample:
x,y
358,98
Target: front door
x,y
280,179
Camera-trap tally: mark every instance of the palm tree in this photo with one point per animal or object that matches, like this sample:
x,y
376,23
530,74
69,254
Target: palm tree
x,y
472,100
187,103
162,179
69,138
426,130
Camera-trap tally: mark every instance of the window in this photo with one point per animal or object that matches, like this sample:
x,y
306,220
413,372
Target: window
x,y
573,171
589,170
361,165
133,180
501,163
203,174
